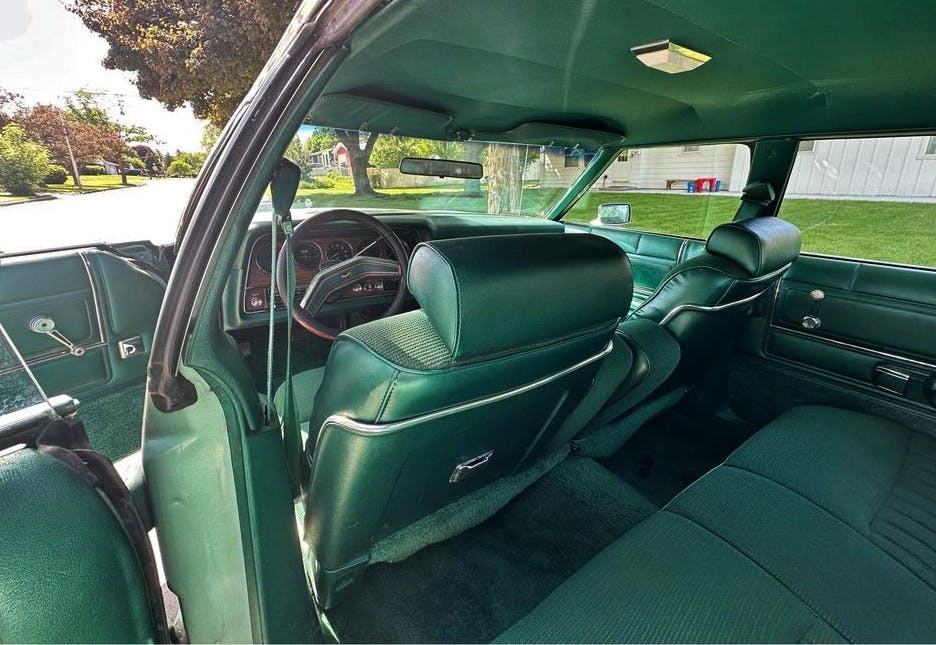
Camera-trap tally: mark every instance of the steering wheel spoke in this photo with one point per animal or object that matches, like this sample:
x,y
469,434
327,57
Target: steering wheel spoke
x,y
360,276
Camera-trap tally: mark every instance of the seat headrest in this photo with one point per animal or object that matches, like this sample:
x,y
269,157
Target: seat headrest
x,y
491,294
760,245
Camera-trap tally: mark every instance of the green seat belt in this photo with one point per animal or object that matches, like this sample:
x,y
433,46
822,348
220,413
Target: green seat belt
x,y
287,420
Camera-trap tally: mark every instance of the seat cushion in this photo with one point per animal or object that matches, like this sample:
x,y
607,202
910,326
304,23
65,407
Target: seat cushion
x,y
822,527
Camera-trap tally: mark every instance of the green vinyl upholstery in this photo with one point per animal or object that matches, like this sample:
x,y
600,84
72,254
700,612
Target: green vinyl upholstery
x,y
512,331
703,300
68,572
821,528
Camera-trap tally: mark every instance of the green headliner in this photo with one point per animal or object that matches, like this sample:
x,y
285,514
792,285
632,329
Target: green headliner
x,y
787,68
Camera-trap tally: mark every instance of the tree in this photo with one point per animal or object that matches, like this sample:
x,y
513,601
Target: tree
x,y
49,125
203,52
210,136
179,168
10,102
23,163
358,157
389,150
505,178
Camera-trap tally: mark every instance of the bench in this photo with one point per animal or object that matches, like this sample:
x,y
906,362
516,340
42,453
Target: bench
x,y
820,528
671,182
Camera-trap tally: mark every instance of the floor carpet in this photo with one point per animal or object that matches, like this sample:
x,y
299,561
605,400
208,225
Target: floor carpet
x,y
114,422
472,587
671,452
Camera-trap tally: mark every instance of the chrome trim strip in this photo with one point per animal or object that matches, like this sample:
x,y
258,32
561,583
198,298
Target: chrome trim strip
x,y
368,429
94,296
45,358
840,343
680,308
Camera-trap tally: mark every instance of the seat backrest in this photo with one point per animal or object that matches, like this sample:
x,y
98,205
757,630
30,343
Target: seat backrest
x,y
419,409
68,572
703,300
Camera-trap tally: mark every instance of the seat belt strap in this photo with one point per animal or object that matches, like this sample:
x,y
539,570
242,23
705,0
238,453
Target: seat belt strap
x,y
287,418
292,435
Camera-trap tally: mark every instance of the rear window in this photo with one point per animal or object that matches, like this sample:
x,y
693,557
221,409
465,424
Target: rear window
x,y
872,199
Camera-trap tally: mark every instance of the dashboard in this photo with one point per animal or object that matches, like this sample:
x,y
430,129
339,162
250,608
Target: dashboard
x,y
247,295
316,251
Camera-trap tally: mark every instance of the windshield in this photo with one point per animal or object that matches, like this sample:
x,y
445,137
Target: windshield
x,y
349,169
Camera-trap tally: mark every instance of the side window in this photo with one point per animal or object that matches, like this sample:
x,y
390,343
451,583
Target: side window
x,y
679,190
870,199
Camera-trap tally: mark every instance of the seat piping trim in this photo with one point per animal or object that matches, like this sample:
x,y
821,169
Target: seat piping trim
x,y
360,428
728,305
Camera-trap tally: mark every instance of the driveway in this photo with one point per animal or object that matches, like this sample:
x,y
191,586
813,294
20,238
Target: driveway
x,y
147,212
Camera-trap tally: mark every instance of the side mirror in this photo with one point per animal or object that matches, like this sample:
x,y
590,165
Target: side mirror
x,y
614,214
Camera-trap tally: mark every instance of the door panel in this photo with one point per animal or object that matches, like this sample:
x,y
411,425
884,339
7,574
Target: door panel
x,y
105,305
872,331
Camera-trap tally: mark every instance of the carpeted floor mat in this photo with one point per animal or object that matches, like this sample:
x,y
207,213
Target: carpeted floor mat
x,y
671,452
115,421
472,587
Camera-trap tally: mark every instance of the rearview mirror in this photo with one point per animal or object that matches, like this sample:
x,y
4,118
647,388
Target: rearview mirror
x,y
441,168
614,214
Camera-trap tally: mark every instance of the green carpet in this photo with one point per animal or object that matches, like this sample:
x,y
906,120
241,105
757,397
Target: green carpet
x,y
671,452
115,421
472,587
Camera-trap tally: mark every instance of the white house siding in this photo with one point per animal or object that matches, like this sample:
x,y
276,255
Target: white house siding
x,y
653,167
552,171
891,167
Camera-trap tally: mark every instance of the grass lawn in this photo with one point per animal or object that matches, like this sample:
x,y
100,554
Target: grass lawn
x,y
888,231
93,184
12,199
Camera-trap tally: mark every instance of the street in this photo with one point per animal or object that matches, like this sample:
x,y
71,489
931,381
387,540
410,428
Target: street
x,y
148,212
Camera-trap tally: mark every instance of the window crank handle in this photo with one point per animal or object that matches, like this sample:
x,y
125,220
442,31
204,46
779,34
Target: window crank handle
x,y
45,325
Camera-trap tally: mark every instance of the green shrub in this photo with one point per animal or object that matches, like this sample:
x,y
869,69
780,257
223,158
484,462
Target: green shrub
x,y
179,168
131,160
23,163
92,169
56,175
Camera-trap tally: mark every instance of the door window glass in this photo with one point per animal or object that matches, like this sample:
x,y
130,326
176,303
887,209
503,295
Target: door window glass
x,y
872,199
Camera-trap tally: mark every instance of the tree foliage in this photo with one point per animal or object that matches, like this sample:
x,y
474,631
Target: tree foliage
x,y
204,52
23,163
90,142
180,168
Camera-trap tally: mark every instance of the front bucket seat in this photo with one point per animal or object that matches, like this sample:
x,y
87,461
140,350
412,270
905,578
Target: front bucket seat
x,y
420,409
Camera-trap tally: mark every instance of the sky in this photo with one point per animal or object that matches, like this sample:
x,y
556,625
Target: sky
x,y
47,53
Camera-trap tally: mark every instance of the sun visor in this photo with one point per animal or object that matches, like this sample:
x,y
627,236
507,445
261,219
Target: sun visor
x,y
350,112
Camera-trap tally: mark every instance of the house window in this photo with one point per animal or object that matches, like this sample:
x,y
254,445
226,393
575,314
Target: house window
x,y
691,148
572,158
807,146
930,149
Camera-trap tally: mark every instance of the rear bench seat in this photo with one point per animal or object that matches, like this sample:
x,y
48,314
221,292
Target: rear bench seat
x,y
821,528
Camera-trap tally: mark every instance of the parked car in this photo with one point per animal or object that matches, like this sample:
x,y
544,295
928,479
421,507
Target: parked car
x,y
477,407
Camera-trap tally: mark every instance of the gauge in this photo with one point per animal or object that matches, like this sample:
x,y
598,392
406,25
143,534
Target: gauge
x,y
261,253
370,248
338,250
264,261
308,255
